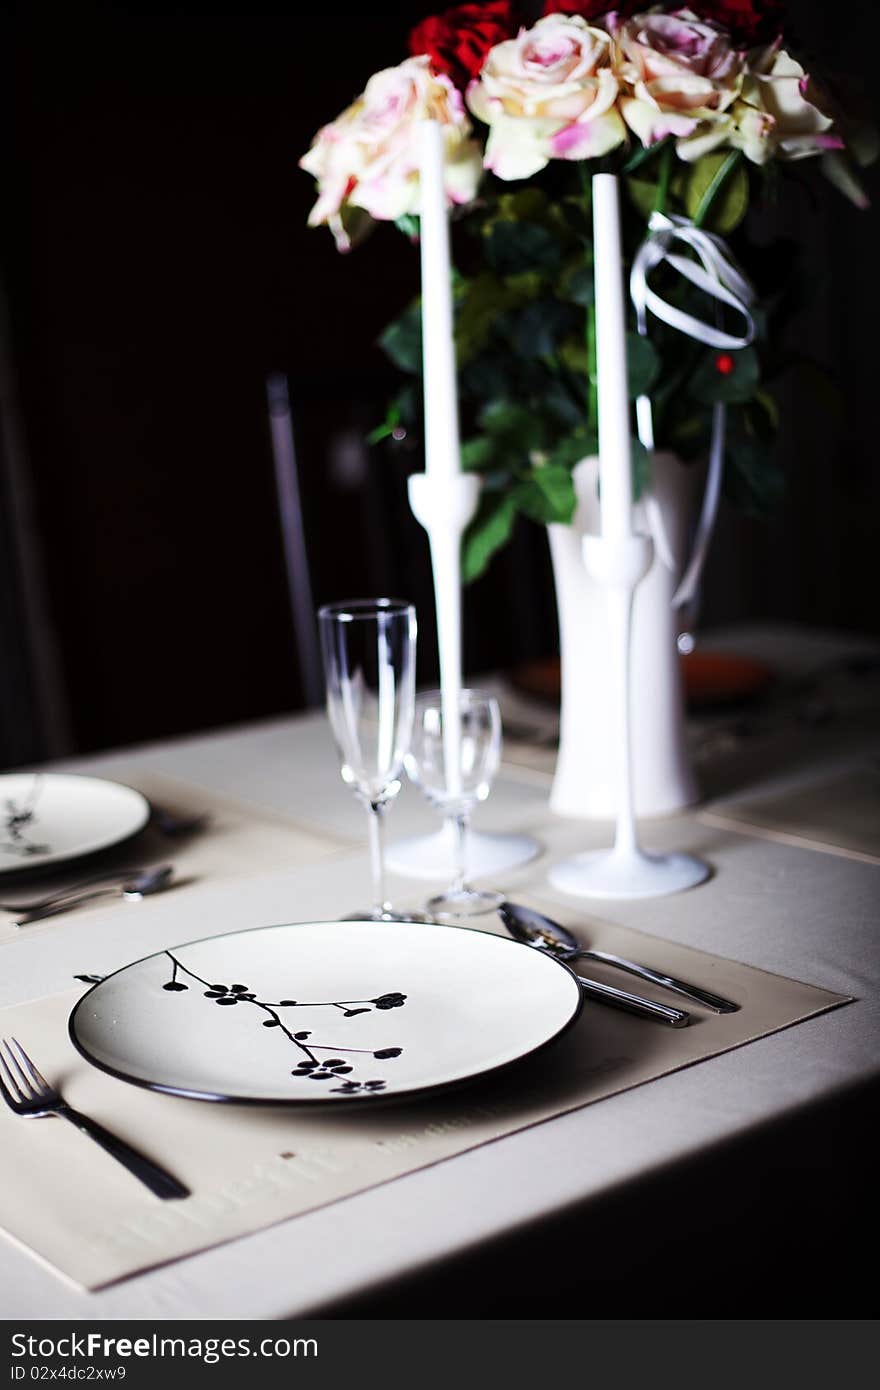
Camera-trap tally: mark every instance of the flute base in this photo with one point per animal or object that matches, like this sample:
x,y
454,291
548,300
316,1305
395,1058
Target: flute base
x,y
433,856
464,902
610,873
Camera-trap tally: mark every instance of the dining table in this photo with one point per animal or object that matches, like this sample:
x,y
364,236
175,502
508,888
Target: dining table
x,y
733,1178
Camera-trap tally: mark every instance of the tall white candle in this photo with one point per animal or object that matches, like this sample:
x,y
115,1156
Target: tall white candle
x,y
442,452
615,452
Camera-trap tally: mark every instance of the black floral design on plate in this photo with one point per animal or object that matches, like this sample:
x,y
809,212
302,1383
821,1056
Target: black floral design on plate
x,y
310,1067
351,1088
17,816
229,994
389,1001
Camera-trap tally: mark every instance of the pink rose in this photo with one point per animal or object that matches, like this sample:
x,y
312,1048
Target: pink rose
x,y
778,115
681,76
367,160
550,93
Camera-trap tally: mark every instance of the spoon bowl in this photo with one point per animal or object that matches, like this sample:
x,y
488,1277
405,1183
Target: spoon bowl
x,y
533,928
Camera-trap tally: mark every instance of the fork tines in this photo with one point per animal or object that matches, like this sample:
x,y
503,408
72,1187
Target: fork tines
x,y
17,1086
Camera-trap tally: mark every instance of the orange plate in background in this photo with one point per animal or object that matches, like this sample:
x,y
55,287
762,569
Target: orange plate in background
x,y
716,678
710,678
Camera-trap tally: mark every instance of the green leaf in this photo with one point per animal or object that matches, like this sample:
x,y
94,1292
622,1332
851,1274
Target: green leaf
x,y
408,223
764,402
506,418
577,285
512,247
641,467
708,384
537,329
642,364
716,192
490,529
478,453
547,495
516,430
528,284
563,401
642,195
752,478
403,412
527,204
573,354
402,339
485,377
479,303
388,425
643,154
580,444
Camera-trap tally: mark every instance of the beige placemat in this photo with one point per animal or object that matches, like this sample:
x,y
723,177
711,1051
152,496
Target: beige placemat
x,y
236,840
839,814
69,1204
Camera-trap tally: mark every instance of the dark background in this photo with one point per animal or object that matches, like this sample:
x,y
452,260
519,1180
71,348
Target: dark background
x,y
157,266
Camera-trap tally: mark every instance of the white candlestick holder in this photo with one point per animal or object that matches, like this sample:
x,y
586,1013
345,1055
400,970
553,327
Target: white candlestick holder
x,y
619,563
444,504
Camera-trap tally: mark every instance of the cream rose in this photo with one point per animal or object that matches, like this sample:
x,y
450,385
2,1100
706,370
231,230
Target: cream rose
x,y
775,117
368,160
681,76
548,94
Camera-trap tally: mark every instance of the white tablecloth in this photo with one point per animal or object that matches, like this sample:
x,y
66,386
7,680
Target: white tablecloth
x,y
808,915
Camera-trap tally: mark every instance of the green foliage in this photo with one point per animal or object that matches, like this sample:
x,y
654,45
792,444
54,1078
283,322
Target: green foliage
x,y
576,283
642,365
716,192
546,494
539,328
490,529
708,384
402,339
512,247
525,345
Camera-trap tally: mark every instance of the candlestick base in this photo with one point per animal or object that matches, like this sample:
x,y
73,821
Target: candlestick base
x,y
611,873
433,856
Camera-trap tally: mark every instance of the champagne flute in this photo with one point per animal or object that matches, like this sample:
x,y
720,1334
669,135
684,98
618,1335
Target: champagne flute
x,y
369,649
479,753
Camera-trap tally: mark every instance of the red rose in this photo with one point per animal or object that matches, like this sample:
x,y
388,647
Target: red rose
x,y
748,21
591,10
458,40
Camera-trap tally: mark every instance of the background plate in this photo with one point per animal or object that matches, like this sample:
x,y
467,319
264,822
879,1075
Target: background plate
x,y
71,816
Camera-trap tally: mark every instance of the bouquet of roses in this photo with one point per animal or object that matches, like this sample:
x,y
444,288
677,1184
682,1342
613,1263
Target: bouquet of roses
x,y
693,110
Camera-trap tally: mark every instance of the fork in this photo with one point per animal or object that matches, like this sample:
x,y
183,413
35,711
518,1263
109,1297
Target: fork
x,y
28,1093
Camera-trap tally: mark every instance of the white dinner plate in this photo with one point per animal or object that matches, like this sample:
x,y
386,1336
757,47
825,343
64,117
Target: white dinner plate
x,y
324,1012
50,817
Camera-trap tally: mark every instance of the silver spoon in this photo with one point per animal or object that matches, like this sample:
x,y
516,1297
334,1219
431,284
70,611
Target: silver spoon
x,y
132,890
526,924
602,994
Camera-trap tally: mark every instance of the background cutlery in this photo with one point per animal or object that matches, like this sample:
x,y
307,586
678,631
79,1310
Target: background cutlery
x,y
132,889
73,888
176,825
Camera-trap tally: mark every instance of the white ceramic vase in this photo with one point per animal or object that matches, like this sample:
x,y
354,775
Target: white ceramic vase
x,y
663,782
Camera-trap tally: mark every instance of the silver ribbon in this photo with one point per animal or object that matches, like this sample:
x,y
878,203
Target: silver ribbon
x,y
711,269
